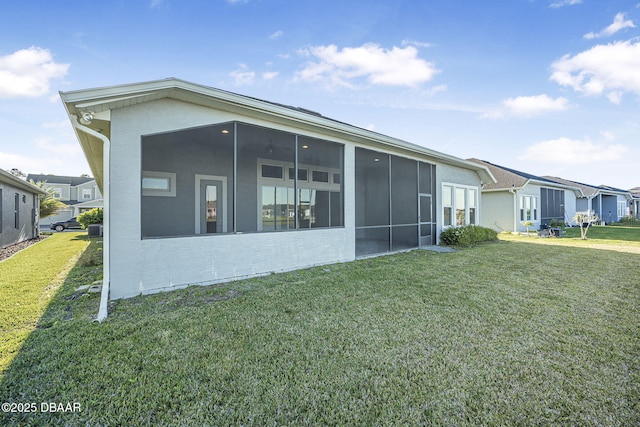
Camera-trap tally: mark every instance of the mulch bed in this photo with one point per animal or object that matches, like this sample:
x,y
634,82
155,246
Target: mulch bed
x,y
14,249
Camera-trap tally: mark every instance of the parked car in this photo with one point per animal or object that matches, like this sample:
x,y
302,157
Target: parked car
x,y
62,225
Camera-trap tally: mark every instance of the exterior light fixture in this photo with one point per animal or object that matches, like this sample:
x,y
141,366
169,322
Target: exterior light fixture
x,y
225,131
376,159
86,117
305,146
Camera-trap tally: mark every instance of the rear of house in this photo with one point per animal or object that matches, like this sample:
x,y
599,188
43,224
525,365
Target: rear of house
x,y
204,186
19,210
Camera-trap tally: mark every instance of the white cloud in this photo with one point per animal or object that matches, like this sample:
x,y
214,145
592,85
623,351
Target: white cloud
x,y
276,35
561,3
28,72
378,66
572,151
619,23
268,75
613,69
527,106
435,89
156,4
242,76
415,43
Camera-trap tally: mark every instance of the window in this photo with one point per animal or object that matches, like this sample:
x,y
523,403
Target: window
x,y
473,199
463,200
270,171
86,194
157,184
57,192
528,208
447,205
622,209
320,176
302,174
16,215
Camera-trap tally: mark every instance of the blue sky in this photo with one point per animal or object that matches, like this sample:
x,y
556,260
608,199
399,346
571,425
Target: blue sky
x,y
549,87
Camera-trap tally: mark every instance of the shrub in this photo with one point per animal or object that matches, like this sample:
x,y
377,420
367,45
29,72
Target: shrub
x,y
94,216
630,222
467,235
557,223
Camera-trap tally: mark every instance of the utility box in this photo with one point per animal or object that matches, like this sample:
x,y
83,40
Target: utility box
x,y
94,230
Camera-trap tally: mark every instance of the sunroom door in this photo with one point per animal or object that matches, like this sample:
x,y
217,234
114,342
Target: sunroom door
x,y
425,217
210,204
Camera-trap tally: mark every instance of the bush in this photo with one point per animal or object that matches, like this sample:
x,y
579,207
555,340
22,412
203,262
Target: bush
x,y
557,223
630,222
467,235
94,216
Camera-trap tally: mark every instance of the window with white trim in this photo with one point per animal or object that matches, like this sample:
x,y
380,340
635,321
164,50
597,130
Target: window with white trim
x,y
622,209
86,194
459,205
158,184
528,208
57,192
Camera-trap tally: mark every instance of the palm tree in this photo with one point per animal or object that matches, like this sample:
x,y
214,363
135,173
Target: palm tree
x,y
49,205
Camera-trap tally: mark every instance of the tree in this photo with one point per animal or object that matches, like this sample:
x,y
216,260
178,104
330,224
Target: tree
x,y
94,216
49,205
18,173
584,220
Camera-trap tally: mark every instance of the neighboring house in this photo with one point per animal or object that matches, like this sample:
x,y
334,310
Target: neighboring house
x,y
519,197
634,205
211,186
609,204
80,194
19,209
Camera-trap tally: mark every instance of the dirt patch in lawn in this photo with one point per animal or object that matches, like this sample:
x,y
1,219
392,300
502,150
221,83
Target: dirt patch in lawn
x,y
9,251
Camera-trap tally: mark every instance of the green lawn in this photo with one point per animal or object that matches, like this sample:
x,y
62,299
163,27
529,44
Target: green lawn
x,y
511,333
28,281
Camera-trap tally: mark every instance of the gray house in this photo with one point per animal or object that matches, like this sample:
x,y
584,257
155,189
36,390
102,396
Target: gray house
x,y
203,186
609,204
518,197
19,209
79,193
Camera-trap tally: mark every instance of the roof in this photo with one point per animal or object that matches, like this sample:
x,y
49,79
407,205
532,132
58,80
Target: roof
x,y
592,190
98,103
507,178
59,179
6,177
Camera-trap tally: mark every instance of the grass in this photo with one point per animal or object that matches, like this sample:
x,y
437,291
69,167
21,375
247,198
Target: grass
x,y
510,333
29,280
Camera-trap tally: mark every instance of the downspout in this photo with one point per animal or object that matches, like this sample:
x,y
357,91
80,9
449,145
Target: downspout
x,y
515,208
106,155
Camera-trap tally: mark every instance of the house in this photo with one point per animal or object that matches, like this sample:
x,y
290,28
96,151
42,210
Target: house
x,y
634,205
211,186
517,198
79,193
609,204
19,209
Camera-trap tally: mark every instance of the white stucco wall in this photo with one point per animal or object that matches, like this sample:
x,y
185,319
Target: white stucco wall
x,y
149,265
